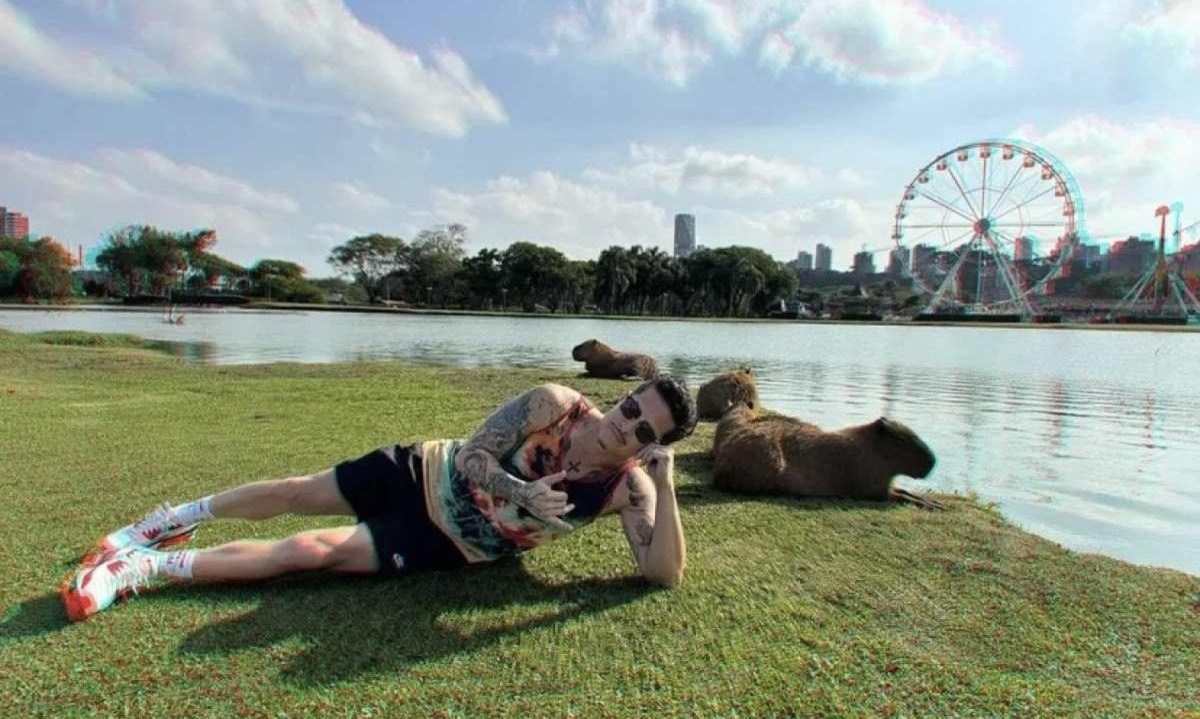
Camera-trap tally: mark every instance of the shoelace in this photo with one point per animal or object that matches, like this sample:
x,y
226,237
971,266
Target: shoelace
x,y
159,518
131,575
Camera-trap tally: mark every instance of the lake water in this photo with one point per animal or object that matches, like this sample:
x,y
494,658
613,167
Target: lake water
x,y
1086,437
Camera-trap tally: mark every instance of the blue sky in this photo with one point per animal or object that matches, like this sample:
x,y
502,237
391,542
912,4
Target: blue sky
x,y
291,125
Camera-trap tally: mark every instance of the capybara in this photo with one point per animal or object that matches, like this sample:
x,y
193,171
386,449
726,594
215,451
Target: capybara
x,y
784,455
600,360
727,390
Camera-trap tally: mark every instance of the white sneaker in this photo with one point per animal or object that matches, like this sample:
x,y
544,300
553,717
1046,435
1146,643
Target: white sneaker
x,y
159,529
113,576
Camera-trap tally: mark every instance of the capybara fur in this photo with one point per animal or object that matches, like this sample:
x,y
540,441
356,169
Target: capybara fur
x,y
726,390
600,360
775,454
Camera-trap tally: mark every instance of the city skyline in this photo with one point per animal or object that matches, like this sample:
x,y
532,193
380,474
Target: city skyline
x,y
290,136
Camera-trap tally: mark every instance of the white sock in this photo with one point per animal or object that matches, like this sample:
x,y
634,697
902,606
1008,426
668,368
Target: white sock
x,y
176,565
196,511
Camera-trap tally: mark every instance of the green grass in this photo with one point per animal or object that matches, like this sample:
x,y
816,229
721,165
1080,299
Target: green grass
x,y
788,607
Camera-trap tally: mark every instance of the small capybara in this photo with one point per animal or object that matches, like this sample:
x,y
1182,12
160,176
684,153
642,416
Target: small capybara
x,y
600,360
726,390
782,455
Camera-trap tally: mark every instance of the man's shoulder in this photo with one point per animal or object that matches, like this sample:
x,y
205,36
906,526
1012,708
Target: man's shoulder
x,y
555,393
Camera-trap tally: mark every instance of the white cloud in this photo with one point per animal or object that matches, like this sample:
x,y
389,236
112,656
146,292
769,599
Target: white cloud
x,y
357,197
853,177
152,169
1171,25
579,219
867,41
706,171
1126,170
878,42
333,232
838,219
78,202
313,56
30,53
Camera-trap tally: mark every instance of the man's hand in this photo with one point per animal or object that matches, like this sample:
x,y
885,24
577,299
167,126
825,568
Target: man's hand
x,y
659,462
541,500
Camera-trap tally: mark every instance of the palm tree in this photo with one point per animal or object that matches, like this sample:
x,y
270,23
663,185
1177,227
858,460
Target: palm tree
x,y
615,274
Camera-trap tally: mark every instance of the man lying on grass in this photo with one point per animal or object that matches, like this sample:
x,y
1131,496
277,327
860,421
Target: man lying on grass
x,y
543,464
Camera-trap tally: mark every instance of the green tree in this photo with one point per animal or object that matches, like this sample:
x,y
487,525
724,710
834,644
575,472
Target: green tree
x,y
534,274
432,259
120,257
369,260
483,277
10,267
615,274
162,256
277,279
44,268
1105,286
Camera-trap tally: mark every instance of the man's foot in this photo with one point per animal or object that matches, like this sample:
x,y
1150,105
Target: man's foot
x,y
158,529
113,576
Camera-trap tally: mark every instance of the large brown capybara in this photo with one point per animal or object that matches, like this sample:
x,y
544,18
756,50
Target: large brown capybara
x,y
782,455
726,390
600,360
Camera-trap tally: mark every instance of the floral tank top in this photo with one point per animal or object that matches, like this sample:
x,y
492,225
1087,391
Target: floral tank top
x,y
485,527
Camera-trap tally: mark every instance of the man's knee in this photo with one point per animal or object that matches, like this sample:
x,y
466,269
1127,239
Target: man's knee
x,y
307,551
312,494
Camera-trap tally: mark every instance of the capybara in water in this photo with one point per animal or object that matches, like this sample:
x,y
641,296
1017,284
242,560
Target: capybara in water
x,y
727,390
600,360
783,455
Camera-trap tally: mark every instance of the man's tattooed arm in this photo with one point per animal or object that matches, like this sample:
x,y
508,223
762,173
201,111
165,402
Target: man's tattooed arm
x,y
478,459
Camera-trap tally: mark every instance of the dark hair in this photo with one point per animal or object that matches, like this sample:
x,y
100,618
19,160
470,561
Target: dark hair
x,y
683,408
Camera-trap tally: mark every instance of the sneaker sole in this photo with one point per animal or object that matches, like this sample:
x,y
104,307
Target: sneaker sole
x,y
179,536
78,606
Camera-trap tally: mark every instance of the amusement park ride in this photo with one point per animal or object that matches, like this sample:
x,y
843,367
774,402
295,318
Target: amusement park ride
x,y
1161,295
987,228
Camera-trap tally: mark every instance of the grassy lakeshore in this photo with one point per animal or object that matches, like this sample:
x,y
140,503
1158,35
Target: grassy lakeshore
x,y
789,608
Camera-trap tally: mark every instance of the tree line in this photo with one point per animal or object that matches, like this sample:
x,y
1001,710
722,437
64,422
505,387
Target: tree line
x,y
431,269
434,269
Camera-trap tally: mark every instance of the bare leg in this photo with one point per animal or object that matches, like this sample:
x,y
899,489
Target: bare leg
x,y
310,494
341,549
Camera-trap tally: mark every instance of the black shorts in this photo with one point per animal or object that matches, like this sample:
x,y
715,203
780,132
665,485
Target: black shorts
x,y
385,490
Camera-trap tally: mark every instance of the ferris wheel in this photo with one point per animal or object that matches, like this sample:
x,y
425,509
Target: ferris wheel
x,y
987,226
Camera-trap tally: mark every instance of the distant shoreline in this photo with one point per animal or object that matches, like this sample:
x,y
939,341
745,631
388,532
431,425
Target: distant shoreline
x,y
295,307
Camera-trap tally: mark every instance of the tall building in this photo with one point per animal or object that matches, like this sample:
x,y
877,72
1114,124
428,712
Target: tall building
x,y
896,260
685,235
1132,256
824,257
804,260
864,263
13,224
1090,255
1022,249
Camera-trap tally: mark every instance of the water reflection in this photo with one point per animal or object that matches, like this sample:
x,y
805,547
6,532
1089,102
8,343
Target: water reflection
x,y
1084,437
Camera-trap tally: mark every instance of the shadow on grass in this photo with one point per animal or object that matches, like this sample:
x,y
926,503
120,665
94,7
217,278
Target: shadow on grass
x,y
354,626
33,617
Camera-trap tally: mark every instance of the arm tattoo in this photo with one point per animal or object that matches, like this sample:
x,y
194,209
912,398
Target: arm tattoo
x,y
482,468
479,456
501,431
645,531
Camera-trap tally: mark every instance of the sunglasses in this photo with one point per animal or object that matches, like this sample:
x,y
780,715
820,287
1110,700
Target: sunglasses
x,y
630,409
